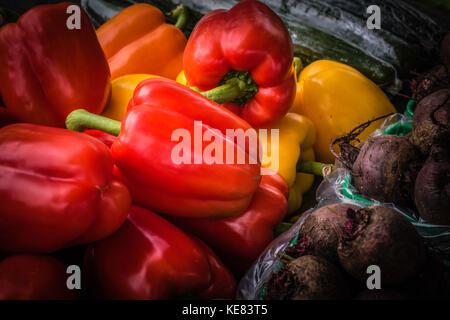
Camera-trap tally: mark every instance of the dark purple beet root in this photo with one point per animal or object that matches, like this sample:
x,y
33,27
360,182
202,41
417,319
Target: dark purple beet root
x,y
323,229
386,169
435,79
432,189
307,278
431,121
383,237
429,82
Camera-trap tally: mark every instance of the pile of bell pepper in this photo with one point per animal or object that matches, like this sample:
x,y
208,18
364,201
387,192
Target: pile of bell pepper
x,y
86,147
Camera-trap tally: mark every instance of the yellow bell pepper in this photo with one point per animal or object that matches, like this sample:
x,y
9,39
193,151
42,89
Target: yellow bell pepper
x,y
337,98
181,78
122,89
296,139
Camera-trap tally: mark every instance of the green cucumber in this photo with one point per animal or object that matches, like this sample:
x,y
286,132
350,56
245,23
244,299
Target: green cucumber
x,y
405,19
337,30
310,43
352,29
101,11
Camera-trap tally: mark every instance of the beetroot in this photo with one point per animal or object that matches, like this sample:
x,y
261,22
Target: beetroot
x,y
386,168
432,188
323,229
381,236
307,278
435,79
429,82
431,121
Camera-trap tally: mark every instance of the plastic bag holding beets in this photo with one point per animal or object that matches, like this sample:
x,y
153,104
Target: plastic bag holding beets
x,y
337,188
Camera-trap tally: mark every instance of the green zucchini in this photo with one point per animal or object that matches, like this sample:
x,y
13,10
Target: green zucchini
x,y
310,43
405,19
352,29
337,30
101,11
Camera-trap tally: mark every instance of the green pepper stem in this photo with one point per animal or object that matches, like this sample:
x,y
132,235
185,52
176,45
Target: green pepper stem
x,y
236,86
181,14
315,168
224,93
298,66
80,120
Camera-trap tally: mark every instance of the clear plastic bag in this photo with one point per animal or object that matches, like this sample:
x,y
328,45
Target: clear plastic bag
x,y
337,188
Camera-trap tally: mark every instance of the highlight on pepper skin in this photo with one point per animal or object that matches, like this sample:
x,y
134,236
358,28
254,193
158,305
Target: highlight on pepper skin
x,y
249,147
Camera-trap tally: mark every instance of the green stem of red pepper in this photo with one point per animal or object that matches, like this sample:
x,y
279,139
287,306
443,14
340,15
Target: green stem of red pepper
x,y
181,14
236,86
80,120
224,93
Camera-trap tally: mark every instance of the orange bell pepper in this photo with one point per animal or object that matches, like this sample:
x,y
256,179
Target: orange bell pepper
x,y
137,40
47,70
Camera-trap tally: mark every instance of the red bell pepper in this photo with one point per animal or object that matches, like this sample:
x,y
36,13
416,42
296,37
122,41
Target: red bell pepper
x,y
223,284
104,137
143,152
247,50
149,258
48,70
238,241
33,277
56,189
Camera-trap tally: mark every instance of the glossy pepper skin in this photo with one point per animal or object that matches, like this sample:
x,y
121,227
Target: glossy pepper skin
x,y
56,189
33,277
297,136
248,37
122,89
143,154
149,258
104,137
238,241
296,140
337,98
49,70
137,40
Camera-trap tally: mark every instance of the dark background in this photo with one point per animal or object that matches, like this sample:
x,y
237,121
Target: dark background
x,y
20,6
